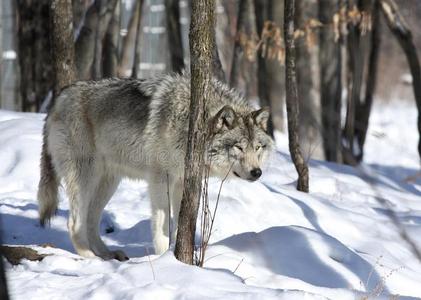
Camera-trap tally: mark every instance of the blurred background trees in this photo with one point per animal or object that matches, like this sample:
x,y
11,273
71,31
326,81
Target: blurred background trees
x,y
348,53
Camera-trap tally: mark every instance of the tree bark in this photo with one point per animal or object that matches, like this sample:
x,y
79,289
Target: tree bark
x,y
128,43
201,45
110,52
246,25
106,12
402,33
292,98
308,82
263,81
33,49
330,59
85,44
174,35
137,46
363,109
62,43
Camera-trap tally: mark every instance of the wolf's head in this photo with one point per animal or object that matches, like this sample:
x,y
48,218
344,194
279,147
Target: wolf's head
x,y
240,143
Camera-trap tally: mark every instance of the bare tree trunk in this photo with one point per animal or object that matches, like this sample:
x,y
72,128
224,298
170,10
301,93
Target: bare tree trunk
x,y
201,39
246,26
292,98
34,57
330,58
137,46
110,56
363,109
62,43
174,35
276,72
85,44
308,83
217,69
263,81
106,12
404,36
128,43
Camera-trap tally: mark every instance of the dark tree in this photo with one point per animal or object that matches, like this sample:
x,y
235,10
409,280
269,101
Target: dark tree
x,y
262,8
110,51
106,13
363,108
137,45
308,80
292,100
34,56
62,43
174,35
330,60
246,26
201,45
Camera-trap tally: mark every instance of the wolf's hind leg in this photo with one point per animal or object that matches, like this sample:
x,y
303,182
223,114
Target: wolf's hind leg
x,y
104,191
81,183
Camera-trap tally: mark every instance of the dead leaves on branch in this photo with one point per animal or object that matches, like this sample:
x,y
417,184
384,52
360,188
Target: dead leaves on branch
x,y
271,45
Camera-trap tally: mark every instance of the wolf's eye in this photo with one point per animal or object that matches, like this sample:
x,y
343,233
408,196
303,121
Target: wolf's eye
x,y
258,147
238,147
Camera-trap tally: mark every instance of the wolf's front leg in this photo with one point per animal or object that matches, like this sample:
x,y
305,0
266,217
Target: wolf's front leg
x,y
158,191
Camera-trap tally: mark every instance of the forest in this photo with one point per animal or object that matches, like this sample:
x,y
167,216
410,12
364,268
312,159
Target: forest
x,y
332,91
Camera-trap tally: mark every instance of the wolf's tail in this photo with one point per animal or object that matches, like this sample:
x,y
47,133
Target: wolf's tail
x,y
48,184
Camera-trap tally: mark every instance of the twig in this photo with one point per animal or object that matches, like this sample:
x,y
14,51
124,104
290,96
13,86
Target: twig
x,y
150,263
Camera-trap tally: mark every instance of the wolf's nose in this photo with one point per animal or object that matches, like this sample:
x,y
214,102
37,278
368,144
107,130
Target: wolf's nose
x,y
256,173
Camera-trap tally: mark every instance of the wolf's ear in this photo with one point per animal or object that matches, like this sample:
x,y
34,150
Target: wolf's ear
x,y
261,117
224,119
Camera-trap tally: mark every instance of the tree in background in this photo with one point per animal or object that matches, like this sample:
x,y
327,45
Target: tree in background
x,y
292,100
330,60
172,9
62,43
34,53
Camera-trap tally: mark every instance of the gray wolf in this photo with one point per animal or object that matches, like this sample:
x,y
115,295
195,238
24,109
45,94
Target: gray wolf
x,y
99,132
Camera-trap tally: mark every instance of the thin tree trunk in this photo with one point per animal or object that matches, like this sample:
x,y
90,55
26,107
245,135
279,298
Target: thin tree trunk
x,y
330,59
85,44
62,43
246,26
404,36
308,83
128,43
276,73
106,12
363,109
137,46
292,98
110,60
201,45
217,69
174,35
263,80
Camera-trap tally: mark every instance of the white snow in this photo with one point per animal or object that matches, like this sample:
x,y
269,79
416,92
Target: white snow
x,y
269,242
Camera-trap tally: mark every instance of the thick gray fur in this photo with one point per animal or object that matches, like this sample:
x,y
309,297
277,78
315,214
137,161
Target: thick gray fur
x,y
100,132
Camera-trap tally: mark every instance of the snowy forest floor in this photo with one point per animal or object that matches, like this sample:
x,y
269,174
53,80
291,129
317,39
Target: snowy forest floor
x,y
269,241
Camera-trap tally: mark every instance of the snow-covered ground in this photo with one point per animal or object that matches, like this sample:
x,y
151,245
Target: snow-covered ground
x,y
269,242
